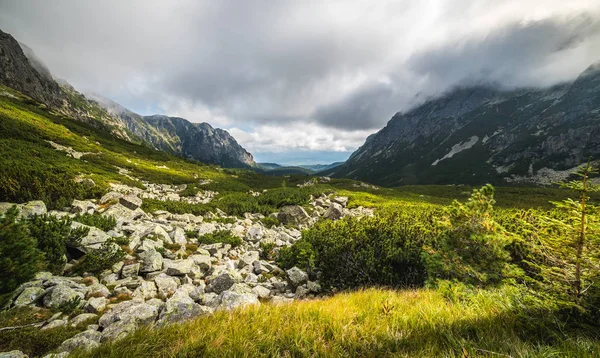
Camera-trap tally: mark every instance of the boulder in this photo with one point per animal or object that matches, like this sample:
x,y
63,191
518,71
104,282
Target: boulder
x,y
334,212
151,261
128,316
178,267
297,276
30,295
231,300
95,304
146,290
130,201
180,307
224,281
178,236
248,258
97,290
342,200
86,340
130,270
261,292
60,295
36,207
166,286
112,196
83,207
293,215
255,233
79,319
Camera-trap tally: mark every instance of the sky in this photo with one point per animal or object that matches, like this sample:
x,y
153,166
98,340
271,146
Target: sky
x,y
301,82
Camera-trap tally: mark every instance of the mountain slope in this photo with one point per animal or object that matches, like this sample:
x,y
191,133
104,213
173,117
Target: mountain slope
x,y
480,134
22,70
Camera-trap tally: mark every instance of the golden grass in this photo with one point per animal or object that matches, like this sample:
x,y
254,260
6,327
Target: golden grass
x,y
369,323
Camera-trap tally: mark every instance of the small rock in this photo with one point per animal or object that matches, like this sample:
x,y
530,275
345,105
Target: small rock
x,y
297,276
131,202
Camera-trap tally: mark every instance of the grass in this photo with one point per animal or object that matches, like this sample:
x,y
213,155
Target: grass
x,y
368,323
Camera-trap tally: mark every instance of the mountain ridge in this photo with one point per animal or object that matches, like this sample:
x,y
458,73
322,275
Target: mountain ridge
x,y
481,134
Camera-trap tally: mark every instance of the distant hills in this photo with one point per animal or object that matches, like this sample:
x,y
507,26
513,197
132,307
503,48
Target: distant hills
x,y
21,70
481,134
308,169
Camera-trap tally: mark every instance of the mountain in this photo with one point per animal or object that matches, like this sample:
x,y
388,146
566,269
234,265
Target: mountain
x,y
482,134
320,167
22,70
199,141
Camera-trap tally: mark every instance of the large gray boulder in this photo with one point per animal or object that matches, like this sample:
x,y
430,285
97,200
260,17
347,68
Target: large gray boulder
x,y
30,295
36,207
231,300
178,267
86,340
130,201
83,207
126,317
334,212
61,294
224,281
151,261
255,233
165,285
297,276
293,215
180,307
112,196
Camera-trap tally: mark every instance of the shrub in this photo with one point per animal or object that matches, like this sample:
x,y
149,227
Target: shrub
x,y
469,245
269,222
52,236
100,221
98,260
20,258
381,250
267,250
222,236
191,234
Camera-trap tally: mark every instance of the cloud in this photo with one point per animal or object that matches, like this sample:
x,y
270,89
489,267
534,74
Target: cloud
x,y
308,75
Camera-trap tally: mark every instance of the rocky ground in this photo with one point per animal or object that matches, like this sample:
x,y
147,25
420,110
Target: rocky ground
x,y
152,285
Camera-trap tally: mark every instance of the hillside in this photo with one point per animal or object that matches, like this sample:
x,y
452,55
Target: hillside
x,y
23,71
481,134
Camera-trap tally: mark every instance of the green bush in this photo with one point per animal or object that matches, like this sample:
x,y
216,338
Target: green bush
x,y
52,236
98,260
269,222
469,245
104,223
20,258
381,250
222,236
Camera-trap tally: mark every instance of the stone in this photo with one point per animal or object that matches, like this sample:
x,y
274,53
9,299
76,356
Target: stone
x,y
314,287
178,267
158,232
301,292
224,281
146,290
180,307
255,233
334,212
130,270
202,261
60,295
36,207
79,319
178,236
151,261
261,292
95,304
119,330
297,276
166,286
149,244
112,196
248,258
130,201
206,228
54,324
97,290
87,340
83,207
293,215
139,313
231,300
30,295
342,200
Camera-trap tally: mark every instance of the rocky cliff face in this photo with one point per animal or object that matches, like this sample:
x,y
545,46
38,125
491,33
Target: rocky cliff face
x,y
480,134
22,70
199,141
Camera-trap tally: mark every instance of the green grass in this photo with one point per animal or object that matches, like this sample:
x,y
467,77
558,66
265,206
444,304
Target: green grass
x,y
370,323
